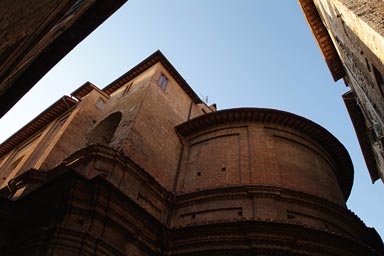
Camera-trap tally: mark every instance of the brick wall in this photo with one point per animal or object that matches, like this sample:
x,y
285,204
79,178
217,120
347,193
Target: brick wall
x,y
153,142
356,28
244,153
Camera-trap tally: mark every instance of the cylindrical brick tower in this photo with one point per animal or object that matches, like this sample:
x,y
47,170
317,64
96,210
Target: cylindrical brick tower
x,y
264,182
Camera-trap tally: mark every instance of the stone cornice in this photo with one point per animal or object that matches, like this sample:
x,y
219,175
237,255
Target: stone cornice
x,y
269,237
265,191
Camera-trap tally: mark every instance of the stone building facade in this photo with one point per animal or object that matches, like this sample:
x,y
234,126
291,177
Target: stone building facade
x,y
144,167
350,34
35,35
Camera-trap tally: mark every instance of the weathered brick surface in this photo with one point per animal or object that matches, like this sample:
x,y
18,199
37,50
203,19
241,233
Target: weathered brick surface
x,y
73,136
357,33
269,160
147,171
304,165
367,10
212,160
246,153
359,46
19,19
35,35
153,142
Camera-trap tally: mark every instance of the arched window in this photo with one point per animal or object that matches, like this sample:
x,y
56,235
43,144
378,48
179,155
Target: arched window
x,y
104,130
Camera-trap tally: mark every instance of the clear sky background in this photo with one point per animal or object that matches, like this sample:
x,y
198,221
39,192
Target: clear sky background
x,y
238,53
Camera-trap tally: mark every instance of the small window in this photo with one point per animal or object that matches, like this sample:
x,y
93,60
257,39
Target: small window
x,y
163,81
379,79
367,63
100,103
127,88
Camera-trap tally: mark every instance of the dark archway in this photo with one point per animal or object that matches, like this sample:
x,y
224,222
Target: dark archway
x,y
104,130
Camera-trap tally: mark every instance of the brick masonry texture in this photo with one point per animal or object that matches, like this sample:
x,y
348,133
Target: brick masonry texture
x,y
150,170
35,35
350,34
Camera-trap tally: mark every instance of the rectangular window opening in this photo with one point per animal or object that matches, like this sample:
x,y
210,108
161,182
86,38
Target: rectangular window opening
x,y
127,89
367,63
379,79
100,103
162,82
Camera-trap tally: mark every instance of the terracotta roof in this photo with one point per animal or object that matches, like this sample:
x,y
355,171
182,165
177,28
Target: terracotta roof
x,y
323,39
85,89
144,65
47,116
313,130
362,133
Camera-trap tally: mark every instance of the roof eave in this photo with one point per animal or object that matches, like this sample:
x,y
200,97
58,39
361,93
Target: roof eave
x,y
323,39
362,134
145,65
47,116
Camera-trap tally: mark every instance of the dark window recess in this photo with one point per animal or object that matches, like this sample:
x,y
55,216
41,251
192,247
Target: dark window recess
x,y
163,81
367,63
198,173
223,169
372,133
379,79
127,88
290,216
240,213
193,216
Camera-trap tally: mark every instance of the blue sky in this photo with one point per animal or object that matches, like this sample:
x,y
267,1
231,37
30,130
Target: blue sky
x,y
238,53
